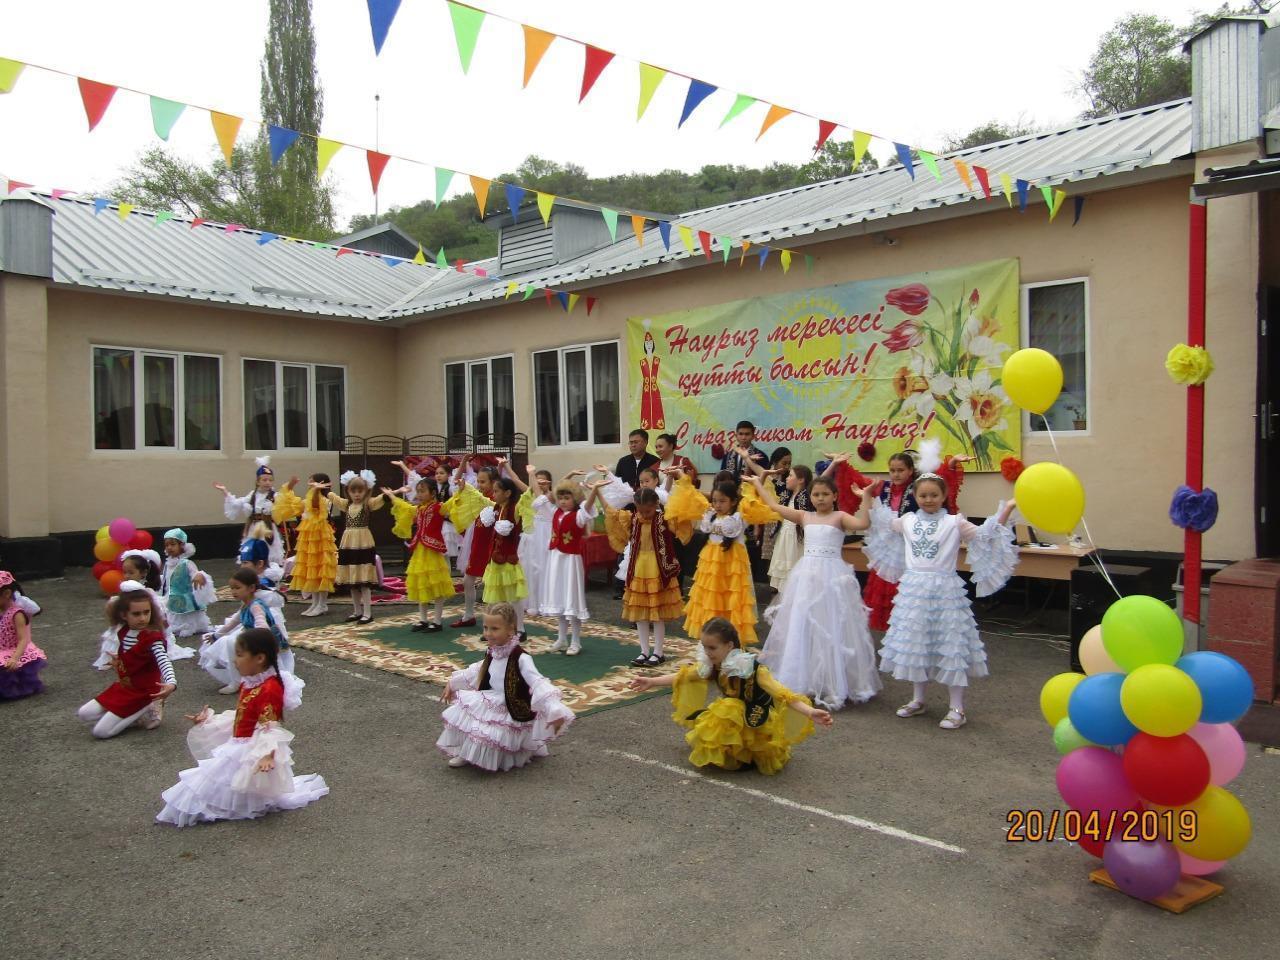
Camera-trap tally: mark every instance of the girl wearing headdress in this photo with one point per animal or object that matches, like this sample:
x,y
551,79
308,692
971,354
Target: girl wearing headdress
x,y
256,507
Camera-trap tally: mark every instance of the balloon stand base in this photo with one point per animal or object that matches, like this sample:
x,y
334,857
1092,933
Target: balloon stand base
x,y
1189,892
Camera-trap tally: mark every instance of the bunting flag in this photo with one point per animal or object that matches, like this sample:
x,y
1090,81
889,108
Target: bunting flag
x,y
514,197
931,163
1007,185
686,237
96,98
591,305
861,141
264,238
564,300
904,156
528,292
746,245
962,168
1058,197
381,15
637,227
1024,189
698,91
726,244
808,263
664,231
10,70
1047,193
704,240
466,29
825,129
225,128
164,114
984,179
100,204
480,187
443,179
511,288
786,260
325,151
650,77
573,300
123,211
547,294
536,43
441,260
161,217
775,114
342,251
594,64
545,202
763,255
233,227
377,163
17,185
280,139
194,223
610,221
420,257
458,265
739,105
1079,210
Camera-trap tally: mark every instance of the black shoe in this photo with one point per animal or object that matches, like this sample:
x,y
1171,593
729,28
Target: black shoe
x,y
431,628
640,661
617,594
655,659
362,621
351,619
419,627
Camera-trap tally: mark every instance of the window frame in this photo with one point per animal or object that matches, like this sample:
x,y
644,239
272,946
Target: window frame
x,y
312,407
139,405
585,348
1024,297
469,414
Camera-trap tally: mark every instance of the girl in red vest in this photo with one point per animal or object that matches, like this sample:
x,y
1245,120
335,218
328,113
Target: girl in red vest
x,y
427,579
142,664
506,712
564,587
245,766
477,541
503,576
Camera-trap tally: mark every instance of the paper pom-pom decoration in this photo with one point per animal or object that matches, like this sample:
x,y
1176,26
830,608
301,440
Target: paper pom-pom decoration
x,y
1011,468
867,450
1194,511
1189,366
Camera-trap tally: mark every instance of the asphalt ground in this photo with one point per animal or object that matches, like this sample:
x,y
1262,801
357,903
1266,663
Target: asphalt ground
x,y
883,837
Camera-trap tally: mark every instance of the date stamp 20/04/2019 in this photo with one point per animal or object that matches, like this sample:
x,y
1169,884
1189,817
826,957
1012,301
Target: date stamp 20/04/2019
x,y
1128,825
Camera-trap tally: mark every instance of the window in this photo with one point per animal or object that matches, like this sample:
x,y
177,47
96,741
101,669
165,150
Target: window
x,y
576,395
169,401
294,406
1056,319
480,399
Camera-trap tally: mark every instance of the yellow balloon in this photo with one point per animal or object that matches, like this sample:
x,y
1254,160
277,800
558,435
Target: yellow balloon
x,y
1093,655
1218,826
1032,378
1055,694
1050,497
102,534
1161,700
106,549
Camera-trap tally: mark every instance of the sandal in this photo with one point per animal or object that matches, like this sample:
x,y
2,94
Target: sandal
x,y
954,720
914,708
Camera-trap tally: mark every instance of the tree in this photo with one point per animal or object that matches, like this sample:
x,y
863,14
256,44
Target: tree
x,y
1138,62
835,159
993,131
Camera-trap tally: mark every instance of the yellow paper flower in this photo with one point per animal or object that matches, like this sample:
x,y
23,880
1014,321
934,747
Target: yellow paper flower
x,y
1189,366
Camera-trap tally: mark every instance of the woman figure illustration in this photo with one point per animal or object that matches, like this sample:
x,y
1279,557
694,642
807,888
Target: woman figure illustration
x,y
651,415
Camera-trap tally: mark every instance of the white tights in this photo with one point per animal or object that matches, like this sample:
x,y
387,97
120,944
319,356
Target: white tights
x,y
319,605
658,629
105,723
956,693
437,607
573,627
469,596
362,601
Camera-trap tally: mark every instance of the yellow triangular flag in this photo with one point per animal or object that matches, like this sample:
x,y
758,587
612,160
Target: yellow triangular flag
x,y
225,128
511,288
480,187
962,168
650,77
573,300
861,141
420,257
124,210
545,202
775,114
686,237
1007,184
637,227
10,70
535,45
786,260
325,149
1058,197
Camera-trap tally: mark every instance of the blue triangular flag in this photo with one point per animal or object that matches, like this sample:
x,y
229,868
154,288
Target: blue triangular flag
x,y
1079,209
904,154
265,238
763,255
1023,187
381,14
664,228
393,261
100,204
514,196
281,139
564,300
698,91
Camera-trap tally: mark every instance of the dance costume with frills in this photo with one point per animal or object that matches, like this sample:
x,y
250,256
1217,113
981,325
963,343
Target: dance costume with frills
x,y
315,564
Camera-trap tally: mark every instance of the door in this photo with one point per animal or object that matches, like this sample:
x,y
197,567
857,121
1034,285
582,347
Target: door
x,y
1267,489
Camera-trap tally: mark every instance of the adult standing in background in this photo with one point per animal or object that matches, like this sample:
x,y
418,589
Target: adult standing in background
x,y
628,470
687,553
736,463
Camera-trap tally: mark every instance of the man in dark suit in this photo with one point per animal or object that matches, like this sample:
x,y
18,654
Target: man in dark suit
x,y
745,438
628,471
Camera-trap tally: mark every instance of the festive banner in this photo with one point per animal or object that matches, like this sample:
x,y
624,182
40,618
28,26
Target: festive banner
x,y
886,362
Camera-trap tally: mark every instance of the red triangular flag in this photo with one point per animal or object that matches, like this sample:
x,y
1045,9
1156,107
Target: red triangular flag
x,y
377,163
825,129
18,185
342,250
591,302
96,97
596,61
59,193
197,221
458,265
704,238
983,179
548,294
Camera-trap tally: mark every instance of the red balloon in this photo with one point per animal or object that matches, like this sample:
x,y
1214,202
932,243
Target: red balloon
x,y
110,582
101,567
141,541
1169,771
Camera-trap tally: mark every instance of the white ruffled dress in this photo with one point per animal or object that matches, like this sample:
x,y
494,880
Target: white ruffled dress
x,y
225,784
195,622
218,651
819,643
787,551
535,552
932,633
477,726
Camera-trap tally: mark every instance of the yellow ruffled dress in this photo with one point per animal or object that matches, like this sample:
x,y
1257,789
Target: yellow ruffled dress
x,y
646,597
718,733
427,577
315,565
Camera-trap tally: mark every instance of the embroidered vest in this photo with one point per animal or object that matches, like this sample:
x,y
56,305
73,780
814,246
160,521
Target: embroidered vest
x,y
178,589
662,542
137,667
506,549
566,535
263,704
246,621
428,529
514,687
756,702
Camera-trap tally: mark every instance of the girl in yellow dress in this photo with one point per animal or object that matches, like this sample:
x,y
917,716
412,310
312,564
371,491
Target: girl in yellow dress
x,y
755,720
316,562
427,579
722,585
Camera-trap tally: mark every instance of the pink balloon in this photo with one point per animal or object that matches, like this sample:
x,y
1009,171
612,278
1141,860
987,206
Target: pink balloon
x,y
121,529
1225,749
1199,868
1092,778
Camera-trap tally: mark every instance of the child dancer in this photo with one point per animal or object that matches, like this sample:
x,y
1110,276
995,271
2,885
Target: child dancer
x,y
244,762
503,576
20,660
146,676
722,586
187,591
616,494
255,555
505,711
427,579
564,594
259,609
932,633
818,639
536,508
143,566
316,562
785,546
652,594
477,540
357,559
256,507
754,721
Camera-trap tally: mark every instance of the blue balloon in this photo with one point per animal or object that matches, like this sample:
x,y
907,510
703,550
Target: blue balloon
x,y
1225,686
1095,710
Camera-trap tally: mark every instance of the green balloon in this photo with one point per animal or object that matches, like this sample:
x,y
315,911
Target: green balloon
x,y
1140,630
1066,738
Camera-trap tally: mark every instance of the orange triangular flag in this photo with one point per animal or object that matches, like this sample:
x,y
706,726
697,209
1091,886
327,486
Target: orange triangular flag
x,y
225,128
775,114
637,225
962,168
480,187
535,45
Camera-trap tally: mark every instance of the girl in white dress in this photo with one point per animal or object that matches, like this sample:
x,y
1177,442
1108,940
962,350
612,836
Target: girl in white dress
x,y
255,507
819,643
932,633
564,593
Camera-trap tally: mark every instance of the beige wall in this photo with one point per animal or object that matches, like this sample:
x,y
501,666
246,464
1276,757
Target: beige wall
x,y
25,438
1130,243
87,487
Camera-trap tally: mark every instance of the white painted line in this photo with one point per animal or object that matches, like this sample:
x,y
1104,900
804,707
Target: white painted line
x,y
882,828
360,676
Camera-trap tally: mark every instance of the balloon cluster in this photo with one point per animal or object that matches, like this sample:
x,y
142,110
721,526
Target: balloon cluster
x,y
111,540
1149,747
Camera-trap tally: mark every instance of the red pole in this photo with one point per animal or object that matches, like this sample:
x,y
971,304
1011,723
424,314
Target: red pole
x,y
1195,400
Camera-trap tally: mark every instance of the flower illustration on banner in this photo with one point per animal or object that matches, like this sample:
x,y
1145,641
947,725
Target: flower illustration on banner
x,y
948,372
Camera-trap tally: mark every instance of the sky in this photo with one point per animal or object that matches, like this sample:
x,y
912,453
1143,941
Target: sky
x,y
912,73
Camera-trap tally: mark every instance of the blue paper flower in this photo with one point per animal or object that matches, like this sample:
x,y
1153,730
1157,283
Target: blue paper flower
x,y
1194,511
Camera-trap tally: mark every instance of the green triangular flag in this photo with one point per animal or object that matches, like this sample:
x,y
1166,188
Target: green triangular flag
x,y
931,162
9,71
466,28
443,179
162,216
164,114
610,221
726,244
739,105
528,292
441,262
1047,193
